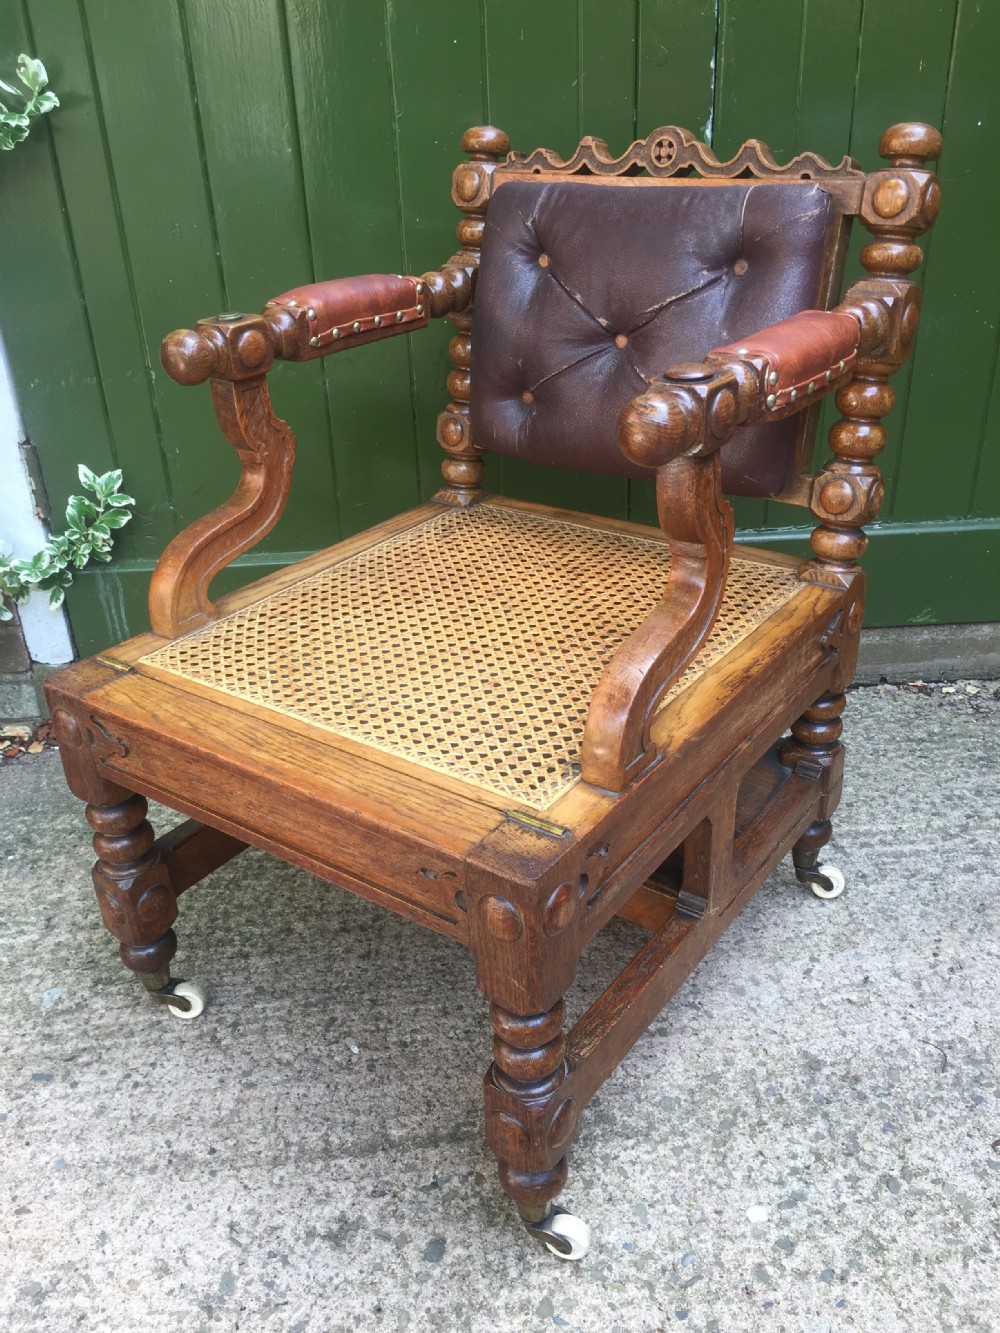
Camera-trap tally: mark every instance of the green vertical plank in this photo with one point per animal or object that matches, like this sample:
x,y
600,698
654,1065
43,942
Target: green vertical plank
x,y
675,85
675,65
166,222
606,95
828,63
908,85
985,502
428,137
958,336
539,48
757,96
92,214
248,124
343,98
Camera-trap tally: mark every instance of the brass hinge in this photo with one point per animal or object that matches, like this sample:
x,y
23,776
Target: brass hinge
x,y
691,905
39,498
536,822
115,663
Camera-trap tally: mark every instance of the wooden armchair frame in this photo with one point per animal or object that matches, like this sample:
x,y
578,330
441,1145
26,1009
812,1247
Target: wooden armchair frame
x,y
677,846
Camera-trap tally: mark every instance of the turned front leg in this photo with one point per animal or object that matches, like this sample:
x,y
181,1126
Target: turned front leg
x,y
816,742
528,1122
137,903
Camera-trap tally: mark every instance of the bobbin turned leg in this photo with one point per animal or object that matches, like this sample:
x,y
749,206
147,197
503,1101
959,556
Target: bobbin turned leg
x,y
137,903
816,741
530,1123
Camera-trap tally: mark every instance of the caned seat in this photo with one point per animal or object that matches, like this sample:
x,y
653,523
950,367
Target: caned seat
x,y
470,643
505,721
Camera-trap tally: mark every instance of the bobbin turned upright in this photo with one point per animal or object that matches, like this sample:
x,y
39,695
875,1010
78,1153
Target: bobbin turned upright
x,y
505,721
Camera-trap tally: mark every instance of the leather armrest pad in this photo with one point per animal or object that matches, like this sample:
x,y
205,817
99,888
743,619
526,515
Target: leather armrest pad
x,y
346,311
802,355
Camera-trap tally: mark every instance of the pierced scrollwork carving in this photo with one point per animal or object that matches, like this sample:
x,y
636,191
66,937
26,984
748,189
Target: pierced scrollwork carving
x,y
670,151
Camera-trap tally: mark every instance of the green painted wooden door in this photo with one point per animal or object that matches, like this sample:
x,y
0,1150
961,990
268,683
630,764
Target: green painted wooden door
x,y
211,153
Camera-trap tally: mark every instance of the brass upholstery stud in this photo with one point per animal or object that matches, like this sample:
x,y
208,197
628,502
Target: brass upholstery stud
x,y
420,289
793,395
313,342
336,333
356,326
420,309
841,367
772,379
399,316
378,321
811,386
743,351
829,376
311,313
772,401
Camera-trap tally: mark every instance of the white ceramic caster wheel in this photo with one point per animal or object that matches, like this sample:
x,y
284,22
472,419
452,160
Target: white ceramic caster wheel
x,y
195,996
829,882
572,1236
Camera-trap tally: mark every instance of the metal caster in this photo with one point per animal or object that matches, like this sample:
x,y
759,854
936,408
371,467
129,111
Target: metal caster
x,y
563,1234
183,998
826,881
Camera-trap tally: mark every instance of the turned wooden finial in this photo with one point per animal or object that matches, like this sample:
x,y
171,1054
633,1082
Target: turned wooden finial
x,y
470,185
910,144
901,201
485,141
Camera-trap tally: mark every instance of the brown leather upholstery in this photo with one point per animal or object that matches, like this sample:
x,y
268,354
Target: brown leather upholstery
x,y
587,291
352,310
802,354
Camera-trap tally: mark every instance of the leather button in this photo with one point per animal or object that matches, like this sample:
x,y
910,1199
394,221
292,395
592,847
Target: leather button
x,y
527,397
621,340
543,261
740,267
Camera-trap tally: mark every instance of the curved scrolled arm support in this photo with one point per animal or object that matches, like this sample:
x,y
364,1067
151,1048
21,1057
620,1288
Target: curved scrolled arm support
x,y
178,590
616,739
676,426
235,352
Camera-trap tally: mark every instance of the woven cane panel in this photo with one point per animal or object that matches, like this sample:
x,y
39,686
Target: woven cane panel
x,y
470,644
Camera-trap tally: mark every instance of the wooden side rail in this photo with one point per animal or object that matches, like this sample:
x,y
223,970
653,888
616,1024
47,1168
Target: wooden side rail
x,y
235,352
193,850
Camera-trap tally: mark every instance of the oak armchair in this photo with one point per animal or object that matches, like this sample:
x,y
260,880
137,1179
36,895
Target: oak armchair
x,y
505,721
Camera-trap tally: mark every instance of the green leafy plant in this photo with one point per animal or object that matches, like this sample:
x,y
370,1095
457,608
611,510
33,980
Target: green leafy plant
x,y
15,122
89,525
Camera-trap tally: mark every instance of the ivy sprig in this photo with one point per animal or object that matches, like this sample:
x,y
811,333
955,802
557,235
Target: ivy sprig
x,y
15,122
89,527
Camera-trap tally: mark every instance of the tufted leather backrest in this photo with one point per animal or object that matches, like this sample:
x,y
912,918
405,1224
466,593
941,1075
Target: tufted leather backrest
x,y
585,291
